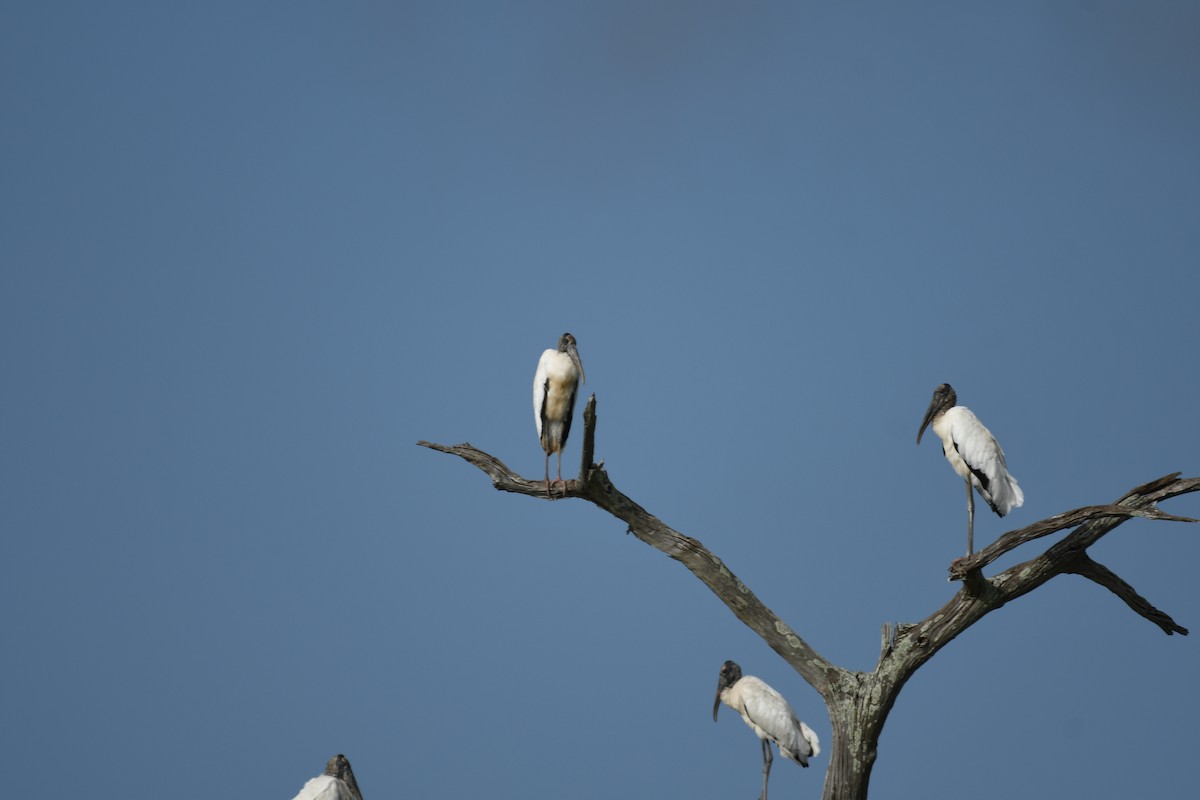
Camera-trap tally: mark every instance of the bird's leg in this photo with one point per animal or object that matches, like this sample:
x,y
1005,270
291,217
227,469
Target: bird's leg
x,y
767,757
547,474
970,519
560,477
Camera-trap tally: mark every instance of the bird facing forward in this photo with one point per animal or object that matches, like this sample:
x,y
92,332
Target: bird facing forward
x,y
555,384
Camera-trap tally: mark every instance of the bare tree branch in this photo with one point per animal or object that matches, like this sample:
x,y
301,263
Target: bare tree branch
x,y
1102,575
589,437
981,596
1059,522
597,488
859,702
1069,554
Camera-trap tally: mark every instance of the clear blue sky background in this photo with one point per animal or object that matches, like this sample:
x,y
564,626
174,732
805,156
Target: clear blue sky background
x,y
253,252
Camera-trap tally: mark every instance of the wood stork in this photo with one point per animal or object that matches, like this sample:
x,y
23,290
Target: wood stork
x,y
768,715
559,373
974,454
337,783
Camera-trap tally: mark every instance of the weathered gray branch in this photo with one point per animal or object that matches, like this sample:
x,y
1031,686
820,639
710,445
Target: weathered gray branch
x,y
1069,555
859,702
1092,570
1123,508
594,485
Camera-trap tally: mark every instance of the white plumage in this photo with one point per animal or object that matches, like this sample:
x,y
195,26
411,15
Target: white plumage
x,y
974,454
336,783
768,715
555,384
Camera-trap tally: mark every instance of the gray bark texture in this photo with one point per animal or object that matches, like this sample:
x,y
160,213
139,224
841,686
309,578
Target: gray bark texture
x,y
858,702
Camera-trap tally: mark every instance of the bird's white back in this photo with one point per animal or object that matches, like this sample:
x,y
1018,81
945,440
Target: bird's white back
x,y
771,717
969,445
325,787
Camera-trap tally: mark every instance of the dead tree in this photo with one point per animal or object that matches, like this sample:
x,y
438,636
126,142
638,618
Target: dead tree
x,y
858,702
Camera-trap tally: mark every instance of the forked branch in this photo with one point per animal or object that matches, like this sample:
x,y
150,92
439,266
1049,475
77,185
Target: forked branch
x,y
860,702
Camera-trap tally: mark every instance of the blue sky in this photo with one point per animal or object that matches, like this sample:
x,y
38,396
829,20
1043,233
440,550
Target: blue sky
x,y
253,252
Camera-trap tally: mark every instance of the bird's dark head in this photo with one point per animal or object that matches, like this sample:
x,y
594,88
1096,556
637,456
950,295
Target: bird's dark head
x,y
944,398
566,344
731,673
339,767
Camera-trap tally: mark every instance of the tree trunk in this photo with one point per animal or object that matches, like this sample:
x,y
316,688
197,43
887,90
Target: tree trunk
x,y
857,723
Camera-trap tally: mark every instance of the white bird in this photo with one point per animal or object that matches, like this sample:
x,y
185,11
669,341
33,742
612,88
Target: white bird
x,y
974,454
768,715
337,783
559,373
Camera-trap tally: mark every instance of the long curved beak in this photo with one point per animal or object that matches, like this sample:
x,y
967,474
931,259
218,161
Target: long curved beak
x,y
943,398
574,354
930,413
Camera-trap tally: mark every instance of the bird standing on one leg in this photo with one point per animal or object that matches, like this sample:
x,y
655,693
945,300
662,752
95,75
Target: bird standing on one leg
x,y
974,454
555,384
768,715
337,783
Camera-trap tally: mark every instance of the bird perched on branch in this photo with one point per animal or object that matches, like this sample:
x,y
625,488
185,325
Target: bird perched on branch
x,y
555,384
768,715
336,783
974,454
